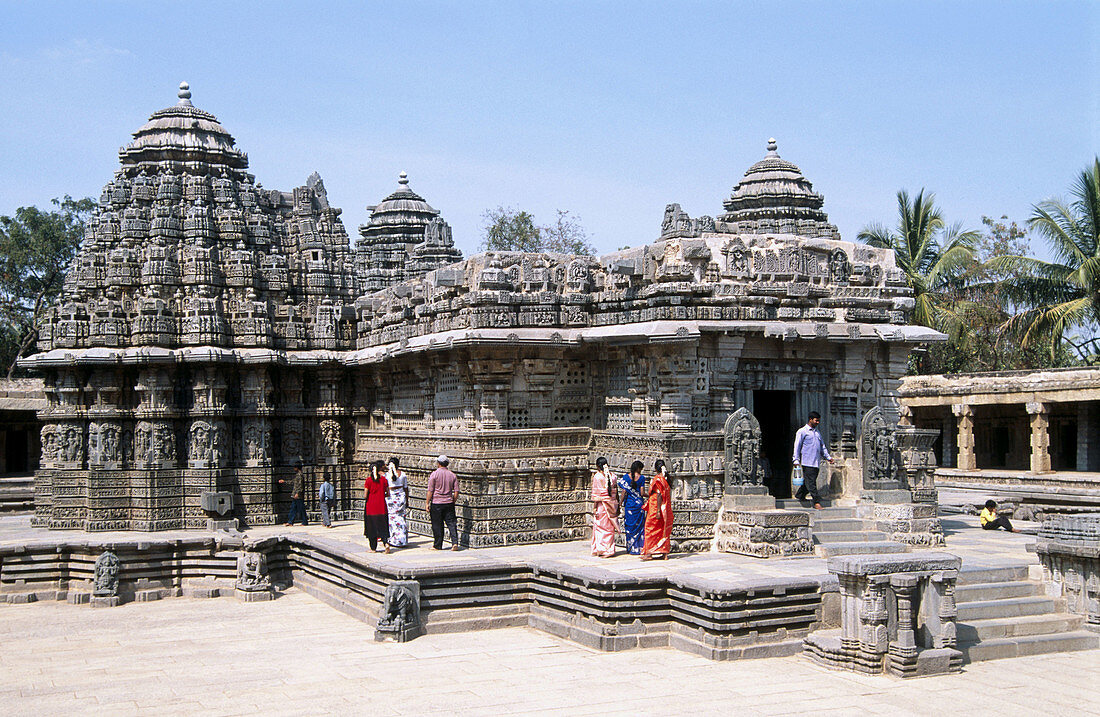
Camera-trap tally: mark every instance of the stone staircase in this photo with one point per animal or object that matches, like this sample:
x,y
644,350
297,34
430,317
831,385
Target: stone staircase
x,y
1003,614
837,531
16,494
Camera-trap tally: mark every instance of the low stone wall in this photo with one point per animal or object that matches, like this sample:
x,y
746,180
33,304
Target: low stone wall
x,y
763,617
1069,550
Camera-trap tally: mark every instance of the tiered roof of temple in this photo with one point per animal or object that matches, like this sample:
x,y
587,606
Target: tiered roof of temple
x,y
404,237
185,249
774,197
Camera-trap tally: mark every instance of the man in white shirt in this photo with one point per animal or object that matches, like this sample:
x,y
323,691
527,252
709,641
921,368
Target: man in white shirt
x,y
809,449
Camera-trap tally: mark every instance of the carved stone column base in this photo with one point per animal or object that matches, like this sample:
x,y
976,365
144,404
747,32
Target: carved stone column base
x,y
914,524
761,533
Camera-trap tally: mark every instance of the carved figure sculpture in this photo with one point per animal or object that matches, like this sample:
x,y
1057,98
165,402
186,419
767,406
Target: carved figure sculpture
x,y
742,444
878,448
105,583
399,617
331,438
252,572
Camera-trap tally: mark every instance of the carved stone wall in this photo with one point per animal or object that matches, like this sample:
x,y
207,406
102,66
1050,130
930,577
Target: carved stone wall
x,y
212,335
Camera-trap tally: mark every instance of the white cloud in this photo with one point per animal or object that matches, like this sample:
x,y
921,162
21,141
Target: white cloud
x,y
79,52
83,52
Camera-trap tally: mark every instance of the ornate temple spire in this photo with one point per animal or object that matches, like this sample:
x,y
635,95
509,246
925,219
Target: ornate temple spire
x,y
774,197
404,237
184,95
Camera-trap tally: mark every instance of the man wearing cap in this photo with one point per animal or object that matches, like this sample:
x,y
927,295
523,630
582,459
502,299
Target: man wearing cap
x,y
442,494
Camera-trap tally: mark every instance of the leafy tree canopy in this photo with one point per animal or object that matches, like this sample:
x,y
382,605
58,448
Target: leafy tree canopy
x,y
508,229
932,255
36,246
1060,299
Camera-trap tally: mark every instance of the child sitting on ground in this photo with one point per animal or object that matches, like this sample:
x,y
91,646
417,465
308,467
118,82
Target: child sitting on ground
x,y
991,521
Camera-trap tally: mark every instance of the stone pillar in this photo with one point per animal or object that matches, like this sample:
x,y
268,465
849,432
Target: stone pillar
x,y
905,586
1040,437
965,442
947,431
1086,448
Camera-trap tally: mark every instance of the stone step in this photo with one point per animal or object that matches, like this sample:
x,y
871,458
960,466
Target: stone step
x,y
17,480
849,536
828,550
1006,607
826,525
1029,645
992,575
1025,625
826,513
996,591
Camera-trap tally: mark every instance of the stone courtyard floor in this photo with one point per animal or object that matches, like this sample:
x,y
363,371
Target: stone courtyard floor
x,y
296,656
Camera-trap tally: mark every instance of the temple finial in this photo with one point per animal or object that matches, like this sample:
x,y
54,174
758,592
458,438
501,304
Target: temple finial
x,y
185,94
772,146
403,179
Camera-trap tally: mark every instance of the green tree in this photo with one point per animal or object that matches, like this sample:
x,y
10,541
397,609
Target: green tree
x,y
36,247
932,255
982,303
1063,295
508,229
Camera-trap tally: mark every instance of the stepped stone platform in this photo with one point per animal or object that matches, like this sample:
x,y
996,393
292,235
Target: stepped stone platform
x,y
718,605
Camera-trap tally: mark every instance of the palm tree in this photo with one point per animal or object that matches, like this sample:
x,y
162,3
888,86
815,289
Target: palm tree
x,y
932,255
1063,294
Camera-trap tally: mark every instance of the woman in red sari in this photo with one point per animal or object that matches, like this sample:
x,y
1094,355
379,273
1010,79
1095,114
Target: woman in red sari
x,y
658,517
605,496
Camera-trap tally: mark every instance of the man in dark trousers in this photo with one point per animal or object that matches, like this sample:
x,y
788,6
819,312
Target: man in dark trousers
x,y
297,497
442,494
809,449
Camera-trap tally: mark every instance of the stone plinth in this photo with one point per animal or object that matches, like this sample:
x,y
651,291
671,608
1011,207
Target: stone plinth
x,y
1069,550
761,533
897,615
904,521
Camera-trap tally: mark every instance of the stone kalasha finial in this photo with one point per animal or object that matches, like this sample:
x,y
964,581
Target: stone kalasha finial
x,y
772,147
403,179
185,94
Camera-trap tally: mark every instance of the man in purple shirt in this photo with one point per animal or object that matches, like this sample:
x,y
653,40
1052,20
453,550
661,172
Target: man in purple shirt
x,y
809,449
442,494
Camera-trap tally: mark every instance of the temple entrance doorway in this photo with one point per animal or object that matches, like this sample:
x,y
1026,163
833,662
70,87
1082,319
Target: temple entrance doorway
x,y
774,410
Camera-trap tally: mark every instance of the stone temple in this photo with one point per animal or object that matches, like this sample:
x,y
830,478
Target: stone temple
x,y
213,334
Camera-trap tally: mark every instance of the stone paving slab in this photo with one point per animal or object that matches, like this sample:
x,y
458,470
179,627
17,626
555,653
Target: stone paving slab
x,y
295,656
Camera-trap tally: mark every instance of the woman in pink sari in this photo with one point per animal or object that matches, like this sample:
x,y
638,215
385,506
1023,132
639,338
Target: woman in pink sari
x,y
605,496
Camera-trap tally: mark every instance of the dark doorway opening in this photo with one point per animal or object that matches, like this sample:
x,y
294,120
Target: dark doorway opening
x,y
16,451
773,410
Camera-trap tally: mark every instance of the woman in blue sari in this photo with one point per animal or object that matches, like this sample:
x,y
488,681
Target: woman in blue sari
x,y
633,487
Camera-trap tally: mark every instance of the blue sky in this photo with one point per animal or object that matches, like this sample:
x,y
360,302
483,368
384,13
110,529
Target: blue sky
x,y
607,109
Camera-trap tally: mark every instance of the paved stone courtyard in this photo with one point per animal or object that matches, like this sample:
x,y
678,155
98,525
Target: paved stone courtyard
x,y
297,656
